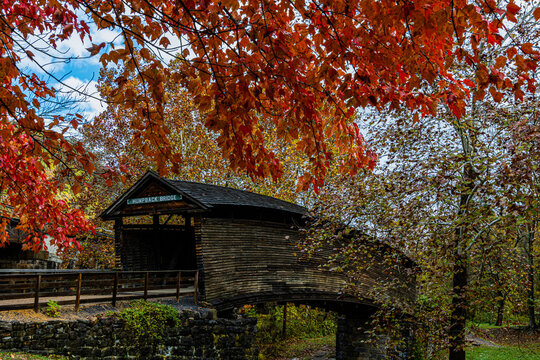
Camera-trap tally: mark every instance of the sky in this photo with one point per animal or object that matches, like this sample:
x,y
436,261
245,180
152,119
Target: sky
x,y
70,67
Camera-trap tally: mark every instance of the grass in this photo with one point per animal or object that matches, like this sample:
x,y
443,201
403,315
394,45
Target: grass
x,y
526,352
483,325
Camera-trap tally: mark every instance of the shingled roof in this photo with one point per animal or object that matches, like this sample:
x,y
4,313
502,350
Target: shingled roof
x,y
214,195
207,197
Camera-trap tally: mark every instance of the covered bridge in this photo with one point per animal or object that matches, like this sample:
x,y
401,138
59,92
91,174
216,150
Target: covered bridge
x,y
243,245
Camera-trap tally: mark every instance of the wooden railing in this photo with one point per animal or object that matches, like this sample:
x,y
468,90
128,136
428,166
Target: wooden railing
x,y
33,289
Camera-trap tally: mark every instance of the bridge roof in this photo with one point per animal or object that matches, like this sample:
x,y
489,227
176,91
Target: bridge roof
x,y
203,197
214,195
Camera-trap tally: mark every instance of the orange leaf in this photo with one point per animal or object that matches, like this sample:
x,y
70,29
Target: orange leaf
x,y
76,188
536,13
500,62
527,48
94,49
511,52
497,96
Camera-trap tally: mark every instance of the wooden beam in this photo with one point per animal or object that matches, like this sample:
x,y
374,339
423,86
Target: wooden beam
x,y
118,242
146,286
36,293
196,287
78,295
168,218
178,281
115,289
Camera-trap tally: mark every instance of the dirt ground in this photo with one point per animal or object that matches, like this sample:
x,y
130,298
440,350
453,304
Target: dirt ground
x,y
510,335
66,313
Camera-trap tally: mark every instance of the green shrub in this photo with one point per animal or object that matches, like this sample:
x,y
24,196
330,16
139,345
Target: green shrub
x,y
302,322
53,309
149,320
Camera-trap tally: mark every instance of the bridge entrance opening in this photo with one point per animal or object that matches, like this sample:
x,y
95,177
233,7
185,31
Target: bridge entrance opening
x,y
164,243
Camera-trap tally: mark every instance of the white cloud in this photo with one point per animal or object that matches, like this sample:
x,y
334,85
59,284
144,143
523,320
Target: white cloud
x,y
89,102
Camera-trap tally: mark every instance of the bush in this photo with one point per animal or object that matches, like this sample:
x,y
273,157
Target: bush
x,y
53,309
149,320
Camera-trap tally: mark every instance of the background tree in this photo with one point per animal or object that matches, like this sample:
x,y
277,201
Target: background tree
x,y
111,139
442,194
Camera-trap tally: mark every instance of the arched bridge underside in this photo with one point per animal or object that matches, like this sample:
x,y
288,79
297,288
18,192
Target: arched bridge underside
x,y
324,300
354,339
254,262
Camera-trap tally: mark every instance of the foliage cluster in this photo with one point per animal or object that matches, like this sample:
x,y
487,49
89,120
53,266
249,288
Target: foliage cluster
x,y
53,309
297,68
149,320
96,252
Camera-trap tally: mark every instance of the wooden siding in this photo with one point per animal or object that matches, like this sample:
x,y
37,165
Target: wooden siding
x,y
198,251
246,257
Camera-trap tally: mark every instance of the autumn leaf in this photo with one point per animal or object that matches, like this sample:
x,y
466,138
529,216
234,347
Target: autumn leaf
x,y
536,14
301,72
512,8
95,48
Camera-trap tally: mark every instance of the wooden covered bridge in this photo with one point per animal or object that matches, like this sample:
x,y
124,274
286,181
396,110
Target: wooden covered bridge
x,y
243,246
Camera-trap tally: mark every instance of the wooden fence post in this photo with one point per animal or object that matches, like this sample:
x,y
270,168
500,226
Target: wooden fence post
x,y
78,296
115,289
178,279
146,286
36,293
196,286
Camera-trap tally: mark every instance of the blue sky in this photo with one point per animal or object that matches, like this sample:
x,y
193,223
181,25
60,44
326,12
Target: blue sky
x,y
69,68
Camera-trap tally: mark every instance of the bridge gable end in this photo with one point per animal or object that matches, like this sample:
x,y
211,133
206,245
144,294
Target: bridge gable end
x,y
151,194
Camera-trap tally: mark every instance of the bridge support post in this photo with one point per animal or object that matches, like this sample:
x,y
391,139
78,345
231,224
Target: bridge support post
x,y
353,340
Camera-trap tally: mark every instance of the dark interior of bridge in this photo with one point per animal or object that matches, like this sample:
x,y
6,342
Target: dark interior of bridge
x,y
161,245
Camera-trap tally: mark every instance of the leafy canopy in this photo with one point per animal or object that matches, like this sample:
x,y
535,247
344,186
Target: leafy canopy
x,y
303,67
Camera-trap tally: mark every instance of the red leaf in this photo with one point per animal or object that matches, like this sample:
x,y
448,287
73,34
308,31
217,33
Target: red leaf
x,y
512,8
469,83
94,49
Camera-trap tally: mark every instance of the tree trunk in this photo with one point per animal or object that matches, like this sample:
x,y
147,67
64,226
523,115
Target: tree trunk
x,y
500,308
458,317
530,278
459,310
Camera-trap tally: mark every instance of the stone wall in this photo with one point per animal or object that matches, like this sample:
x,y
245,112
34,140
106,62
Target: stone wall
x,y
198,337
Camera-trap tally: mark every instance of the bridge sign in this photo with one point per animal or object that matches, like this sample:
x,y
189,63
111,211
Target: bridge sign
x,y
154,199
